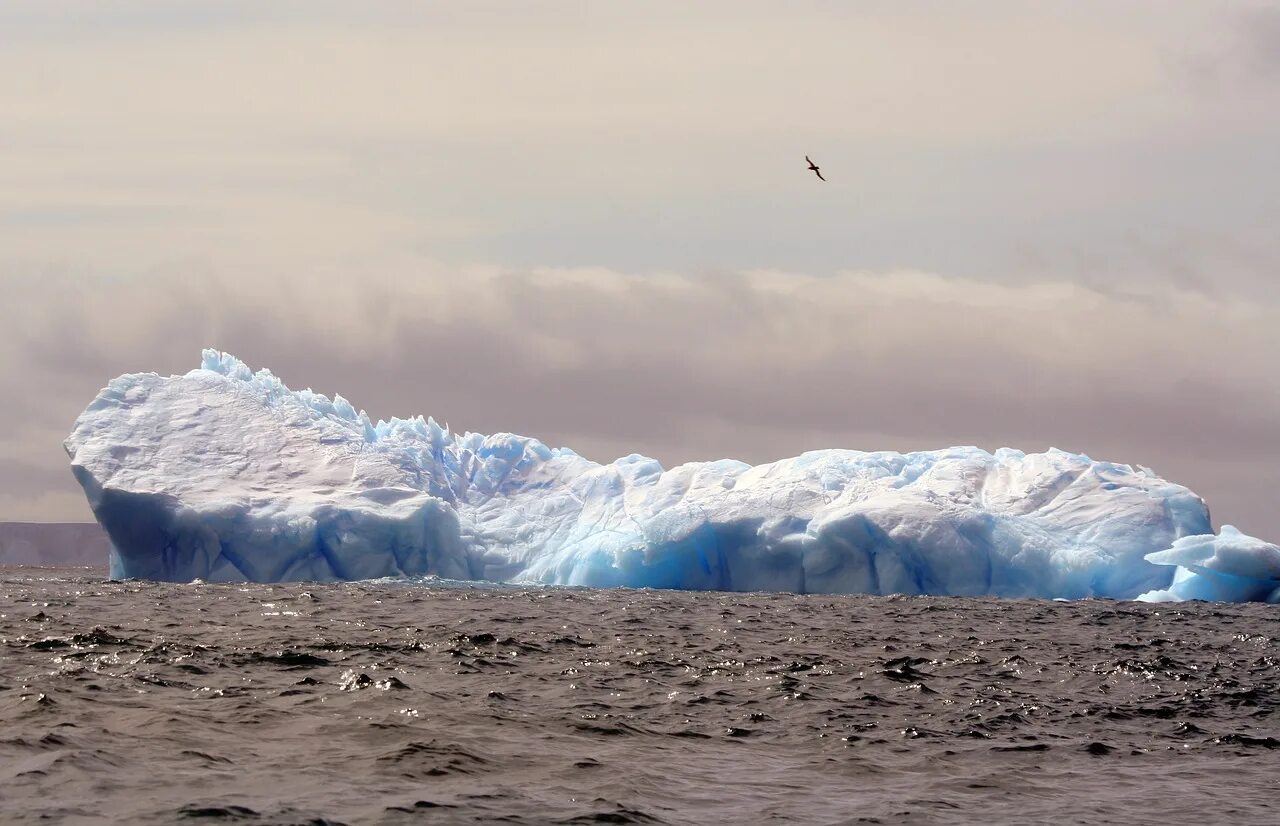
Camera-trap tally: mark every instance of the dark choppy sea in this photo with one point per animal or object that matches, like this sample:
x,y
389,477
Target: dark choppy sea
x,y
379,702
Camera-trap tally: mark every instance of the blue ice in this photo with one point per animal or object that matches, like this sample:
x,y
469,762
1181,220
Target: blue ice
x,y
225,474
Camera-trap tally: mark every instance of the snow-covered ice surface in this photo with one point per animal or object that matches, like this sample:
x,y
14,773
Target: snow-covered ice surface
x,y
225,474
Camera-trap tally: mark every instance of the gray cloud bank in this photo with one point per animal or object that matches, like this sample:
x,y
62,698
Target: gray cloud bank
x,y
755,365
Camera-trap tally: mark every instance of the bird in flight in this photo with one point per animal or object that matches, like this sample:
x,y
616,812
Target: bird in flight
x,y
814,167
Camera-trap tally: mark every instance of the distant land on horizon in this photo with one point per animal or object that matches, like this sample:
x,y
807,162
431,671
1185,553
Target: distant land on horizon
x,y
53,543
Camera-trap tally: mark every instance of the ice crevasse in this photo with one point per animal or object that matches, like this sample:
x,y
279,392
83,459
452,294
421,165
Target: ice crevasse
x,y
225,474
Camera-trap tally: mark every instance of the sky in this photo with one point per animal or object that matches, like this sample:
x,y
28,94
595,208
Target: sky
x,y
1044,224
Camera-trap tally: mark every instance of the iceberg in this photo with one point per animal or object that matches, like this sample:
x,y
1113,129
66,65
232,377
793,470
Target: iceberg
x,y
225,474
1229,567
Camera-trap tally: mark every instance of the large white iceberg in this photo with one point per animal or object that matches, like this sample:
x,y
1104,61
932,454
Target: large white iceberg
x,y
225,474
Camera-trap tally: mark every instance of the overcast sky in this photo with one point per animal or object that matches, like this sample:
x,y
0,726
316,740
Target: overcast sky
x,y
1043,224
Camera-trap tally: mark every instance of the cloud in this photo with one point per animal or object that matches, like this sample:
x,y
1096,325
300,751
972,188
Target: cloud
x,y
1258,31
1237,56
663,135
755,364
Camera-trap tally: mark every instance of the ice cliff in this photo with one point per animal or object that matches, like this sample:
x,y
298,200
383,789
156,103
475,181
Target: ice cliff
x,y
226,474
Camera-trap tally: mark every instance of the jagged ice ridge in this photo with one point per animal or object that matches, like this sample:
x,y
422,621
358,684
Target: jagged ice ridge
x,y
225,474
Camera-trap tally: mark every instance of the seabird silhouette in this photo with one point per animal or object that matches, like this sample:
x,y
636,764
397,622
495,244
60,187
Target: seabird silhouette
x,y
814,167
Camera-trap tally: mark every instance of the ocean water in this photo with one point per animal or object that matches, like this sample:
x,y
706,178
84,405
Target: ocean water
x,y
407,702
